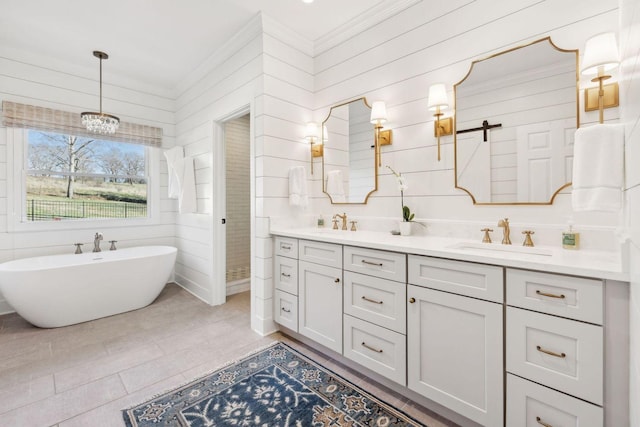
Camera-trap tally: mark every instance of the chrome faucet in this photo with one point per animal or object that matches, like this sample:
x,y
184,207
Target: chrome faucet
x,y
96,242
344,220
505,224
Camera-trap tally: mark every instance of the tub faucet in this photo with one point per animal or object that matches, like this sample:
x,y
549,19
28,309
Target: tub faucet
x,y
96,242
78,248
505,224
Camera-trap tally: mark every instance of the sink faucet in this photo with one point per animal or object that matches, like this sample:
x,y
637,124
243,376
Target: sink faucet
x,y
96,242
505,224
344,220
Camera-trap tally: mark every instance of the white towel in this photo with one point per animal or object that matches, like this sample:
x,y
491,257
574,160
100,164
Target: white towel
x,y
173,156
598,168
187,201
298,187
335,186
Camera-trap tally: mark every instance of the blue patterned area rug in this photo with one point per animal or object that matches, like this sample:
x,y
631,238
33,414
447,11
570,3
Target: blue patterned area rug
x,y
275,387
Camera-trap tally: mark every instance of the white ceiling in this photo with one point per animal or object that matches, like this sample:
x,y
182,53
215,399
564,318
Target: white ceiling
x,y
154,41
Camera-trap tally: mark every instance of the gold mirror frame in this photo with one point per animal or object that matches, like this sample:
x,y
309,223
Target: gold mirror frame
x,y
456,130
325,138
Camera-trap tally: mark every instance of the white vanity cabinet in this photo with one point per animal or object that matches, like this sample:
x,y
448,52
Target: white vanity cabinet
x,y
286,282
454,339
375,311
555,354
499,345
320,293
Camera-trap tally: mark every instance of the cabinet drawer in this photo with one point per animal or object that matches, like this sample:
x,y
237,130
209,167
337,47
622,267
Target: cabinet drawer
x,y
286,310
286,274
532,405
572,297
563,354
328,254
376,348
375,300
387,265
286,246
464,278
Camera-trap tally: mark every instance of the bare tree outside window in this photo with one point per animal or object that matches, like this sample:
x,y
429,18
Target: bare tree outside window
x,y
72,177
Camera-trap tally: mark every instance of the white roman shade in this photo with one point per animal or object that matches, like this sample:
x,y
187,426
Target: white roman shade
x,y
47,119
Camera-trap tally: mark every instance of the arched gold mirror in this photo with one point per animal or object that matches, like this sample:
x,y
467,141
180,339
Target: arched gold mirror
x,y
516,115
349,169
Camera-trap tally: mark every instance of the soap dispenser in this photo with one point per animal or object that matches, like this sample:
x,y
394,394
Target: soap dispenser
x,y
570,239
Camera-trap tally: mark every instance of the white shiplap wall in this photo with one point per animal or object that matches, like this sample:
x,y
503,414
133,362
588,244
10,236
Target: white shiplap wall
x,y
48,83
229,81
630,106
398,59
281,114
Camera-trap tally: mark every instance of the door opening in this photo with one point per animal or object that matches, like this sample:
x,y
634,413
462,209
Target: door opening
x,y
238,204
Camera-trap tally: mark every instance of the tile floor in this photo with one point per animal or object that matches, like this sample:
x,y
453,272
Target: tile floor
x,y
84,375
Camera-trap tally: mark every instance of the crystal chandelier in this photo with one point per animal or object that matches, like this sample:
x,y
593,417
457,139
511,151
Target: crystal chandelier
x,y
102,123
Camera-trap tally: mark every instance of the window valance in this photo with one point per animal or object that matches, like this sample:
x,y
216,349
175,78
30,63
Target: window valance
x,y
48,119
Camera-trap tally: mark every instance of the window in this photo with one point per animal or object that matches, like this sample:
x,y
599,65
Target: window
x,y
69,177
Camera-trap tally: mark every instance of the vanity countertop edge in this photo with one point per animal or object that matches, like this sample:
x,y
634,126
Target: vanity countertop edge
x,y
586,263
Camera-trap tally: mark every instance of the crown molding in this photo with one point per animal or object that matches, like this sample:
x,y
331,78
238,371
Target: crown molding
x,y
377,14
281,32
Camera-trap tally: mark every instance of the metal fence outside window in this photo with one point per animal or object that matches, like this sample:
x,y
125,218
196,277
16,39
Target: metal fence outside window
x,y
52,210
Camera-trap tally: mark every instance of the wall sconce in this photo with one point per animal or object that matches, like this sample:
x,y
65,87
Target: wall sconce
x,y
600,56
382,137
311,135
437,101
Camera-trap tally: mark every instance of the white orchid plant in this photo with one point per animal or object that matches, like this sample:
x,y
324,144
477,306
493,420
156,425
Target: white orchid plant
x,y
407,216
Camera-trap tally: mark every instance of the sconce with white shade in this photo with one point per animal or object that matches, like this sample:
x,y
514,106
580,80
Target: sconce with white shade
x,y
437,102
315,142
382,137
600,56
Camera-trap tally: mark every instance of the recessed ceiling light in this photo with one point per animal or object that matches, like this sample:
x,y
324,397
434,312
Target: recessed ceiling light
x,y
307,1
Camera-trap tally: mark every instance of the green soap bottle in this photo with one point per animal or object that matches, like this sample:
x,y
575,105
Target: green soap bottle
x,y
570,239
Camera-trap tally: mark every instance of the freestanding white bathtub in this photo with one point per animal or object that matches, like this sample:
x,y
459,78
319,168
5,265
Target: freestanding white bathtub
x,y
60,290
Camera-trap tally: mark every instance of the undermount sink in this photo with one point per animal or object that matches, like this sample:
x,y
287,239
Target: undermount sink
x,y
497,247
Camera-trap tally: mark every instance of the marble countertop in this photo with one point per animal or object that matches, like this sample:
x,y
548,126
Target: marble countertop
x,y
588,263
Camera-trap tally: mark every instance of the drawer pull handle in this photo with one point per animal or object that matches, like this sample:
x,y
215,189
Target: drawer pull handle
x,y
377,264
286,310
545,294
412,300
542,423
371,300
550,353
371,348
337,280
286,247
286,275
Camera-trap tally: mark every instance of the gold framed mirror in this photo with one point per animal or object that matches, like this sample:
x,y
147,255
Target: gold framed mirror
x,y
349,169
516,116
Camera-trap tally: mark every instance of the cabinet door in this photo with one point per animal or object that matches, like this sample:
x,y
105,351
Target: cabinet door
x,y
454,348
320,304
